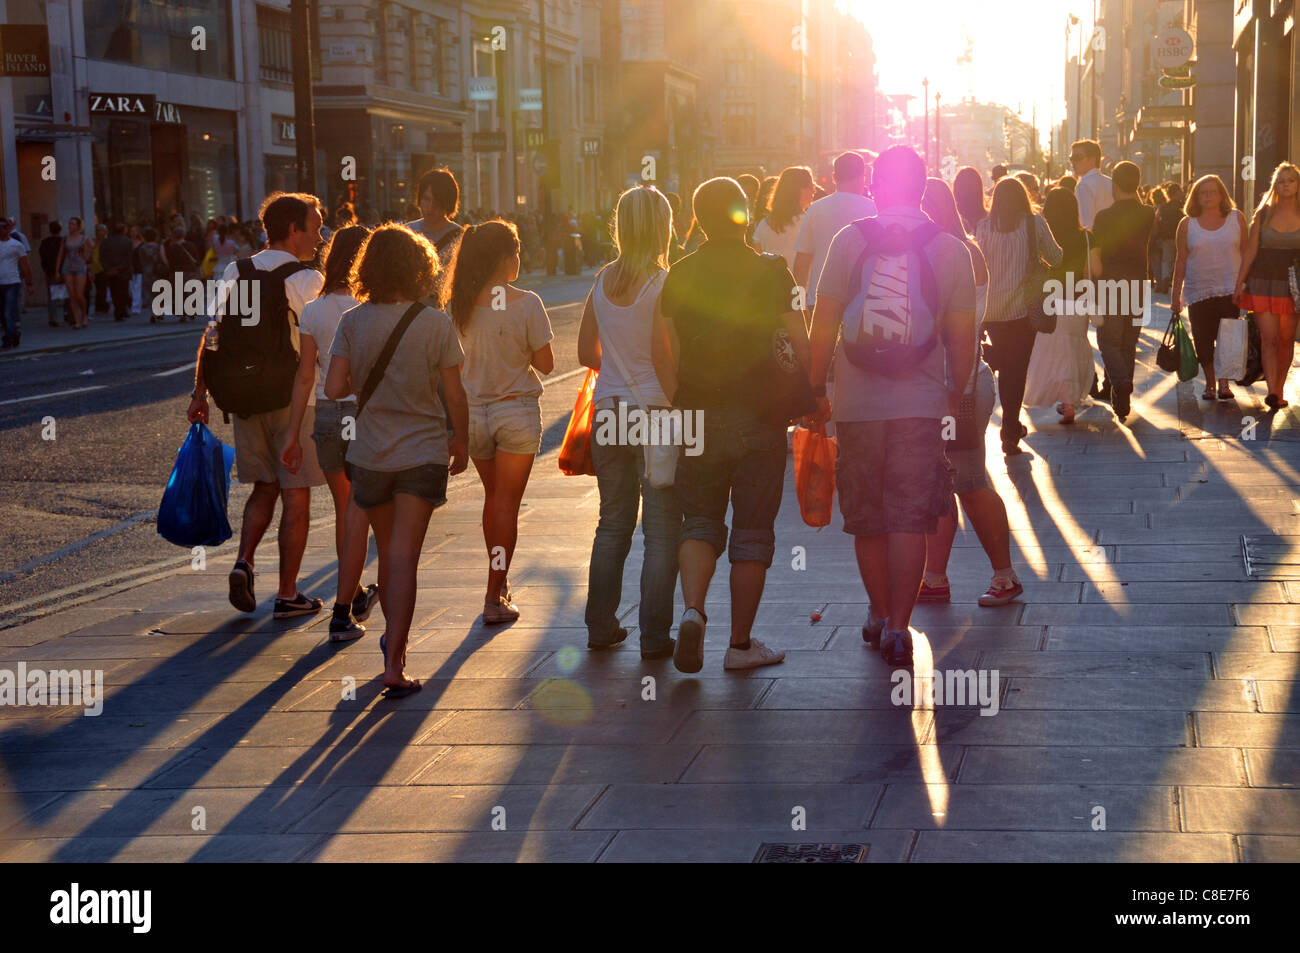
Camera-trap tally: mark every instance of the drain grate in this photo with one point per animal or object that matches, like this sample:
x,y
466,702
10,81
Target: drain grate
x,y
1271,557
811,854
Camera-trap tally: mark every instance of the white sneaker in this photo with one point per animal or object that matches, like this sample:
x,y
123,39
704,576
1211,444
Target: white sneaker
x,y
756,656
498,612
688,656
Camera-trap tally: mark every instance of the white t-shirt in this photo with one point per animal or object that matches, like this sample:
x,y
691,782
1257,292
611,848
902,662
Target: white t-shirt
x,y
627,329
1093,193
321,320
301,287
11,250
821,222
779,243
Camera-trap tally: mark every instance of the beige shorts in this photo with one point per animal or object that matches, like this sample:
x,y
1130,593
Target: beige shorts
x,y
259,441
511,426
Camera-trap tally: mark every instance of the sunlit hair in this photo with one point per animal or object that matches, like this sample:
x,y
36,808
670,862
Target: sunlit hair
x,y
787,198
1010,205
394,264
1029,181
1193,208
968,190
339,255
764,200
1272,199
938,203
1061,212
642,228
479,254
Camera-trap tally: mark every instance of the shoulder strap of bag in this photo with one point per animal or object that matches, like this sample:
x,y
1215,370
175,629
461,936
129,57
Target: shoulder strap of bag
x,y
448,238
390,348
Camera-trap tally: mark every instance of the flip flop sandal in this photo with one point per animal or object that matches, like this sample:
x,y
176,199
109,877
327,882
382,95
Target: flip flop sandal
x,y
1207,394
1225,393
241,587
394,693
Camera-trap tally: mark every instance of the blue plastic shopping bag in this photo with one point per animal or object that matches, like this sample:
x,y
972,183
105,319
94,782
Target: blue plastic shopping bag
x,y
193,510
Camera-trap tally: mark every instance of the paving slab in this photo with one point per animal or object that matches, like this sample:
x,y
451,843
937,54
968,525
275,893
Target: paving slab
x,y
745,807
164,849
1094,847
739,847
1266,849
496,847
1255,730
1032,807
1241,810
1102,765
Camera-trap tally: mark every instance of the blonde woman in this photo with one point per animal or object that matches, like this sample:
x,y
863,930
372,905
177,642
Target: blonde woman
x,y
1263,285
1209,246
620,315
779,229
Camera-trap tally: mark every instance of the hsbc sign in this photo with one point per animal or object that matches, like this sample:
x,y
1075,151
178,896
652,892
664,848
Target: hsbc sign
x,y
1173,47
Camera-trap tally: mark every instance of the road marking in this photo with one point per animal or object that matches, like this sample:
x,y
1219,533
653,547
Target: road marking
x,y
57,393
188,366
563,377
76,547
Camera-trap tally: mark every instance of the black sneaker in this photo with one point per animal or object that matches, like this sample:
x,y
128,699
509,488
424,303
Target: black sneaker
x,y
619,636
298,605
365,601
345,629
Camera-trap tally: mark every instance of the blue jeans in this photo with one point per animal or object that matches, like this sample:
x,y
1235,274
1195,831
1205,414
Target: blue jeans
x,y
620,475
11,303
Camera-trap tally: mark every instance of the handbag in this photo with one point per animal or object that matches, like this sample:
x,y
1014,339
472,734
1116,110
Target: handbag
x,y
59,292
1035,300
814,474
661,454
1167,355
1254,357
1187,363
1231,348
575,450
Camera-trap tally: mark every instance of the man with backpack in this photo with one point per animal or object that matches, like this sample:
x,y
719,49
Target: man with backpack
x,y
730,344
901,293
249,359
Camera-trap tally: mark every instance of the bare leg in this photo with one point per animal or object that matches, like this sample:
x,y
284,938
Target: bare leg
x,y
400,528
258,511
906,566
747,579
510,472
295,518
1269,332
873,565
988,515
938,545
696,560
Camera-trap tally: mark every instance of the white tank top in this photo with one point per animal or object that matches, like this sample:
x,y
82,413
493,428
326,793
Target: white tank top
x,y
627,328
1213,260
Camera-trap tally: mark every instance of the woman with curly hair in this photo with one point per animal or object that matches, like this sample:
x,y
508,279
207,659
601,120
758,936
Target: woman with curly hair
x,y
507,339
399,458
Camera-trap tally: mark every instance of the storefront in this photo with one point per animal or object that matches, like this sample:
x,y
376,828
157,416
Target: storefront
x,y
154,159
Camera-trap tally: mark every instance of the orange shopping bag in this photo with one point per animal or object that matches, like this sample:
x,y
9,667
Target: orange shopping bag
x,y
575,451
814,474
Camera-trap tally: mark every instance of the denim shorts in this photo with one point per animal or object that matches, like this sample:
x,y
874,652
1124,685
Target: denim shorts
x,y
327,434
743,463
372,488
892,476
511,426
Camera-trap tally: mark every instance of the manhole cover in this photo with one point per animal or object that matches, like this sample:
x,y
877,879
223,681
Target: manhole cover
x,y
1271,557
811,854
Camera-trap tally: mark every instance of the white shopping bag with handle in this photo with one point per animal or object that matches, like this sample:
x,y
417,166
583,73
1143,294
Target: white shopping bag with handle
x,y
1230,349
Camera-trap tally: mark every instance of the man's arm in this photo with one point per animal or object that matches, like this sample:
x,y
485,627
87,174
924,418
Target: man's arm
x,y
959,331
802,270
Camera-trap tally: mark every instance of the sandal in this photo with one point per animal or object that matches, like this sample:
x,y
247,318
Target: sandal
x,y
1225,391
401,691
1207,394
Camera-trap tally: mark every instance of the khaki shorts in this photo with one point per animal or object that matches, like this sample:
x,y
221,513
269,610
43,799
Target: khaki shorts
x,y
511,426
261,438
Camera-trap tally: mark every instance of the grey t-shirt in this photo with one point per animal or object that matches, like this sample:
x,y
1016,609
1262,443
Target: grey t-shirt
x,y
499,348
404,424
922,391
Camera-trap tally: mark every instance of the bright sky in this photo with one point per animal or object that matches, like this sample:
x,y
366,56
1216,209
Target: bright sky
x,y
1017,49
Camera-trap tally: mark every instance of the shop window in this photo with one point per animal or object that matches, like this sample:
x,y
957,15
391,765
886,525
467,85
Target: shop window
x,y
159,34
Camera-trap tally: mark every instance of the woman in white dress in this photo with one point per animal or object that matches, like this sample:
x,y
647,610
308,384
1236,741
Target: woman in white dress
x,y
1061,366
777,232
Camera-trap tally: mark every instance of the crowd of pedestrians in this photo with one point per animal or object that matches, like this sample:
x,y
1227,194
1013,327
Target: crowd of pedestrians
x,y
900,318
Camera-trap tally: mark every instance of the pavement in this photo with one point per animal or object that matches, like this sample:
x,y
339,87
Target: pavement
x,y
1145,706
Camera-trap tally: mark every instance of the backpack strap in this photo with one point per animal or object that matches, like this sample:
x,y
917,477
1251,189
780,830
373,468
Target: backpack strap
x,y
386,355
448,238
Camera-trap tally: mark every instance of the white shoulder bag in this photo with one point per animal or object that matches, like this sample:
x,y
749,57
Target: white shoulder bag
x,y
662,431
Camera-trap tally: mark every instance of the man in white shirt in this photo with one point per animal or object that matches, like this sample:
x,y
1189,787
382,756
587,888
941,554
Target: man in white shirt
x,y
826,217
1093,191
14,273
293,225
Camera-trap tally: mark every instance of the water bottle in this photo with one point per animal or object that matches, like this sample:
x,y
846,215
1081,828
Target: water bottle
x,y
210,336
